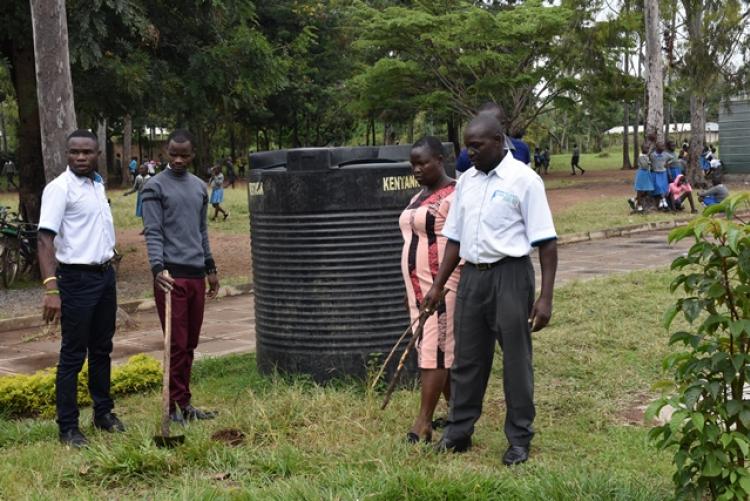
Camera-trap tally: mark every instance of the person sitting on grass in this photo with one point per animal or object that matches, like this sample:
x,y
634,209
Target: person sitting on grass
x,y
679,190
643,184
217,192
714,195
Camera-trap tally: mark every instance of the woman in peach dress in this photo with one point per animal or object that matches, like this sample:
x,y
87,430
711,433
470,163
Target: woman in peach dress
x,y
421,225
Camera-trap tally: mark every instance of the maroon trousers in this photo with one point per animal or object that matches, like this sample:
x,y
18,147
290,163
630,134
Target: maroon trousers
x,y
188,300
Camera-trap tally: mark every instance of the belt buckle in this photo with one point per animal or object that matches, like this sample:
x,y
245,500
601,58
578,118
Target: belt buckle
x,y
483,266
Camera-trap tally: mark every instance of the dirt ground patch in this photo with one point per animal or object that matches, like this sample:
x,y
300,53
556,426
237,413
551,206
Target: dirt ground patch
x,y
231,252
590,186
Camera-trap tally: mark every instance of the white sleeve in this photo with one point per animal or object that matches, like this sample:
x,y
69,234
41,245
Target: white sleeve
x,y
53,207
536,213
452,226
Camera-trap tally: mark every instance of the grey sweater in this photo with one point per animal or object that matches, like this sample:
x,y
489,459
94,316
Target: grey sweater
x,y
174,220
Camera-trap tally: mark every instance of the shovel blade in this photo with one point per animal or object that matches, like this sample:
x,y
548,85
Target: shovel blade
x,y
169,442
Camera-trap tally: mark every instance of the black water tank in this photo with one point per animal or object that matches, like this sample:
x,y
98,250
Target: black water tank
x,y
326,250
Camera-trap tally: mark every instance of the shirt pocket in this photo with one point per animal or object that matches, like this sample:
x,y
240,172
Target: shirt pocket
x,y
503,210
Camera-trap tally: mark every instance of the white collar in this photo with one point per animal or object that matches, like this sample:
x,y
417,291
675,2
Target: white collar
x,y
500,169
81,180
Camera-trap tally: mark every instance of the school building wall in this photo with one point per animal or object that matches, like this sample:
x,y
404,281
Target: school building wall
x,y
734,143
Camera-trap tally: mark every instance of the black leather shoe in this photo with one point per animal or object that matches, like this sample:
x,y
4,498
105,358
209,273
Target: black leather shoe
x,y
190,413
73,438
516,454
448,445
109,422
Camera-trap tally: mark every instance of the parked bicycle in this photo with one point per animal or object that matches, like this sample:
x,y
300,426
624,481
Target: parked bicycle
x,y
18,242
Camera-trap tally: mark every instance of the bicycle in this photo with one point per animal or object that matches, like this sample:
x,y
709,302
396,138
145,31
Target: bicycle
x,y
18,247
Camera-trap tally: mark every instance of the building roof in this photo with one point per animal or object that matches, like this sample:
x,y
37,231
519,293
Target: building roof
x,y
682,127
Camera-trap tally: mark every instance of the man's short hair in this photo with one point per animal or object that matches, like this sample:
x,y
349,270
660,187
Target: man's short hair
x,y
493,108
490,124
432,143
84,133
181,136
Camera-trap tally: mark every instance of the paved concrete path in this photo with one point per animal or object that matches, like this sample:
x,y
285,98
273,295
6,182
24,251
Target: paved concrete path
x,y
229,324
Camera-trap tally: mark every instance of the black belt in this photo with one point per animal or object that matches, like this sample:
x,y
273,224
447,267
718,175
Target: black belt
x,y
98,268
488,266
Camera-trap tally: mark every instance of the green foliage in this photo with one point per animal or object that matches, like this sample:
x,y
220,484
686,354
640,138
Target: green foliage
x,y
31,395
711,419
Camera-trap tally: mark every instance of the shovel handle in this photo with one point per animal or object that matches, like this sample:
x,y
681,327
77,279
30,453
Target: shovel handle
x,y
166,362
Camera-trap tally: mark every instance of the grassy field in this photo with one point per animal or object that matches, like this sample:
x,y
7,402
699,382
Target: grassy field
x,y
605,213
594,366
607,160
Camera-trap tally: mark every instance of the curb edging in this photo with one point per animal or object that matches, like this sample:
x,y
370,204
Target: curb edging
x,y
129,307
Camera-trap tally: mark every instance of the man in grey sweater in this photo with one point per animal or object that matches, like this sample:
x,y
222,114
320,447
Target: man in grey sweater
x,y
175,204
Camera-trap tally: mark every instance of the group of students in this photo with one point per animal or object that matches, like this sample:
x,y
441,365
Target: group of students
x,y
660,182
76,250
216,183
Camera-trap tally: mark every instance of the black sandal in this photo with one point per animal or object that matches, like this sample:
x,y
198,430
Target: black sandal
x,y
439,423
413,438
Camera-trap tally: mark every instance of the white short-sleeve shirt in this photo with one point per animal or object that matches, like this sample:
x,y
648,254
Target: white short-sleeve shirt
x,y
75,208
498,214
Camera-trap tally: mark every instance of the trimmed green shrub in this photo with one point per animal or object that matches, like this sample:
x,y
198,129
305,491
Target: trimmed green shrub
x,y
34,395
709,429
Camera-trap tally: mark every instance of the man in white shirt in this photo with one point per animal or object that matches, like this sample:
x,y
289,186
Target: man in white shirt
x,y
76,246
499,214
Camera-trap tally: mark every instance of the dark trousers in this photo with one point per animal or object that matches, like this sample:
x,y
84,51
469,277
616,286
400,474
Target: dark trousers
x,y
89,310
493,305
574,163
188,301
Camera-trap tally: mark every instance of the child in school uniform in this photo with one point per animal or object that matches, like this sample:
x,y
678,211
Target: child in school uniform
x,y
217,192
140,180
643,183
659,159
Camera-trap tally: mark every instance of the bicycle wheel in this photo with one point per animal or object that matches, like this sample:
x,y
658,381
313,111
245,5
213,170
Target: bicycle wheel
x,y
11,263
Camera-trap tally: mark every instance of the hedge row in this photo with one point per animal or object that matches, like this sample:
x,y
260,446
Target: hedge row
x,y
34,395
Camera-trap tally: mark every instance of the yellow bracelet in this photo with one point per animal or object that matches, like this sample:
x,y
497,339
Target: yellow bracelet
x,y
48,280
51,291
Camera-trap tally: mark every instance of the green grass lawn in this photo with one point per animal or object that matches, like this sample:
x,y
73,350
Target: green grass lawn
x,y
235,201
610,159
606,213
595,362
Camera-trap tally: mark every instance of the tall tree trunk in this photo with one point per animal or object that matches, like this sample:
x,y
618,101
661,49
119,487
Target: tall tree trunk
x,y
626,136
453,134
127,147
28,152
637,110
232,141
669,42
697,52
57,114
101,134
626,105
697,135
3,130
655,76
